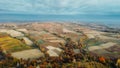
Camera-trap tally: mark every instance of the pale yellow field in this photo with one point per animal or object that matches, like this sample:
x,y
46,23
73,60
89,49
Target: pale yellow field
x,y
11,44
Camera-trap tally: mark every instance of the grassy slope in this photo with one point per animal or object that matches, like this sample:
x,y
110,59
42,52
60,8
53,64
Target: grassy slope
x,y
11,44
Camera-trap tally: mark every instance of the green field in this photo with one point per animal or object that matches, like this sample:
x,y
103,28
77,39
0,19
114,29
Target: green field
x,y
10,44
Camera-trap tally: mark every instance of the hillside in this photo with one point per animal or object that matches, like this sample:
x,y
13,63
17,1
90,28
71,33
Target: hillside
x,y
68,43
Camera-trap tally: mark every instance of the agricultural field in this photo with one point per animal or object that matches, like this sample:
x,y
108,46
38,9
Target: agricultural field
x,y
9,44
94,42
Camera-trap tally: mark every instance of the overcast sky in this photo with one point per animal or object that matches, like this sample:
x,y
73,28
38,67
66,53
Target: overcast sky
x,y
60,6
